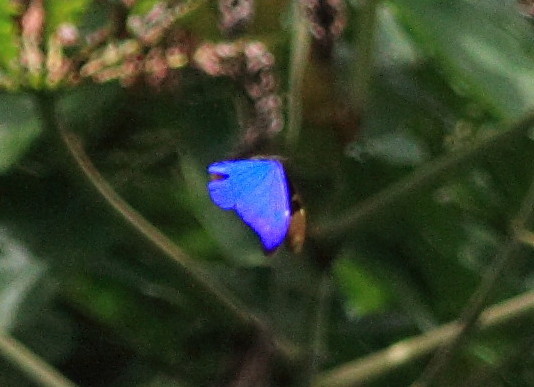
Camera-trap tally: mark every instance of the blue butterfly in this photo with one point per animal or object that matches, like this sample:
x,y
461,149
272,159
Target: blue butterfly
x,y
258,191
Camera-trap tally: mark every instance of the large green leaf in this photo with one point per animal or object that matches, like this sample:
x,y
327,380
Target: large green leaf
x,y
484,47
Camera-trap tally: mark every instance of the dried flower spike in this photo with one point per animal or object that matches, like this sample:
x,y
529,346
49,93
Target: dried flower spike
x,y
327,19
235,15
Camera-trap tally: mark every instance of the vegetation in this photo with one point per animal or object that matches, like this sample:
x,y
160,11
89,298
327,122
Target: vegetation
x,y
405,126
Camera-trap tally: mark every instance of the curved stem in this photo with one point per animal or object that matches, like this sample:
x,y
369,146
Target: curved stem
x,y
32,365
364,370
423,177
199,278
145,228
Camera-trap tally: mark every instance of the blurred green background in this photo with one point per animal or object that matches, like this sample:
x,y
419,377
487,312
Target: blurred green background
x,y
414,177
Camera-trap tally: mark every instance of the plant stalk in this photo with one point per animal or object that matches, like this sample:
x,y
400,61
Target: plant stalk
x,y
30,364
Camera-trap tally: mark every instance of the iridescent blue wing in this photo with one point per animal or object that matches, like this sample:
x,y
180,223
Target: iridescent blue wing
x,y
258,191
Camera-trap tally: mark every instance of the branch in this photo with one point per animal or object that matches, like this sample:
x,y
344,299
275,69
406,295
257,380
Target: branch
x,y
377,364
424,177
471,313
30,364
199,278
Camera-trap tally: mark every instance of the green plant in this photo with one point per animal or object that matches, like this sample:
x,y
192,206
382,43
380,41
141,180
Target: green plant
x,y
408,136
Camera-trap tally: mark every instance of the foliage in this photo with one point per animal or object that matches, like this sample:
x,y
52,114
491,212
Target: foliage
x,y
8,42
408,137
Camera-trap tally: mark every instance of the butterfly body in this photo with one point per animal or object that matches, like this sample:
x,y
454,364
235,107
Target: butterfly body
x,y
258,191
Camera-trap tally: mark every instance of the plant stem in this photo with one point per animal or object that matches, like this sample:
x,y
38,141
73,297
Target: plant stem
x,y
320,319
300,49
364,38
424,177
199,278
364,370
471,313
32,365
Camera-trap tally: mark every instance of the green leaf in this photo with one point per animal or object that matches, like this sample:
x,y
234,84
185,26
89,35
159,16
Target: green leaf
x,y
18,128
19,273
143,6
484,47
394,148
364,293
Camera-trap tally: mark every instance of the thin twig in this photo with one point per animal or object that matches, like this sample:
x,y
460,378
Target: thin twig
x,y
32,365
361,75
379,363
424,177
471,313
317,342
199,278
300,50
145,228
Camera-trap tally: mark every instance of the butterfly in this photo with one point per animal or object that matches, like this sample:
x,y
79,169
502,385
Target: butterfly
x,y
259,192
